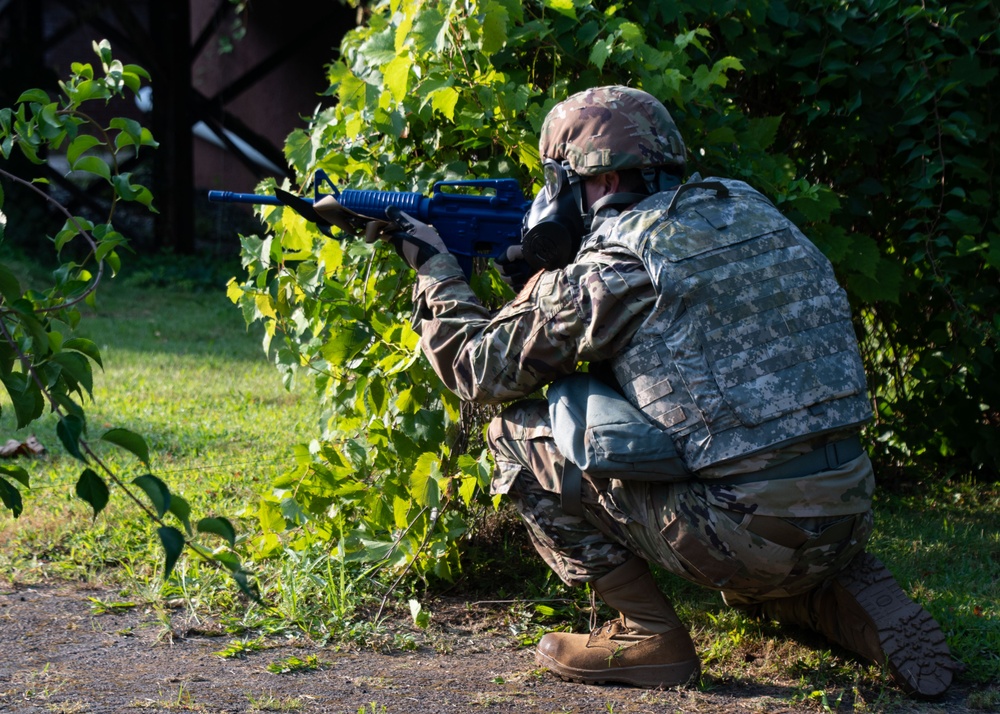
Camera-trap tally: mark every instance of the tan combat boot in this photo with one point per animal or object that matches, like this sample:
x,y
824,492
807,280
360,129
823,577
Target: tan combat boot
x,y
647,647
865,611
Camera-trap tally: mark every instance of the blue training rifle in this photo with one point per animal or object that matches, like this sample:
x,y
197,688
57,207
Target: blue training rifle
x,y
476,218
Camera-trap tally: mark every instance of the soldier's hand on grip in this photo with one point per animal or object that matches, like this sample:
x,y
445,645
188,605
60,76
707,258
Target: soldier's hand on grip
x,y
513,268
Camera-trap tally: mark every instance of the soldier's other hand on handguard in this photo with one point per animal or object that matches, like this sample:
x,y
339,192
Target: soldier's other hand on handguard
x,y
414,241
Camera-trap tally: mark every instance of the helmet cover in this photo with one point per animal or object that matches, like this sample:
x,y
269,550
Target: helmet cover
x,y
612,129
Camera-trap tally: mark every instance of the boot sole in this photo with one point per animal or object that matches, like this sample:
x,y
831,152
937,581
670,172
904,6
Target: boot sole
x,y
650,676
879,622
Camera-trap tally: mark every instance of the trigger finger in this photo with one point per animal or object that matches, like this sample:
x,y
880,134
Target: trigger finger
x,y
394,214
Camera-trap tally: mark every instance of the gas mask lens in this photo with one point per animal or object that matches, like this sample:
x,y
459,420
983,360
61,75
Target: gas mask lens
x,y
553,175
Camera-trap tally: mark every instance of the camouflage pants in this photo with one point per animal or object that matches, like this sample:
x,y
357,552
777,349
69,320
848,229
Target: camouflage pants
x,y
673,525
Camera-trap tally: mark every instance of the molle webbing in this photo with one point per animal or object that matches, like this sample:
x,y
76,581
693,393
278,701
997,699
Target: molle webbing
x,y
750,344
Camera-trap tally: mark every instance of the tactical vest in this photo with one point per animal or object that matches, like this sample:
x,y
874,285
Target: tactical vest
x,y
750,345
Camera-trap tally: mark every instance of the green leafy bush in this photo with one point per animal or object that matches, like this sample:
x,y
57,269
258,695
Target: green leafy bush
x,y
864,122
45,356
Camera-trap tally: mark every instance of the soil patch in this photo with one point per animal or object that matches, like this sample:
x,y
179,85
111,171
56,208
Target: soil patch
x,y
58,655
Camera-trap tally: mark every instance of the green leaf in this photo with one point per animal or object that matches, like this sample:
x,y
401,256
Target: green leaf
x,y
423,480
229,559
631,34
444,100
563,7
377,396
292,512
218,526
425,427
137,70
86,347
467,489
49,125
430,31
270,518
69,429
25,396
76,367
79,145
173,545
761,132
31,325
91,488
10,287
494,28
130,441
156,490
93,165
347,341
182,511
11,497
600,52
865,256
817,205
130,132
397,76
17,473
372,551
884,284
421,618
245,587
33,95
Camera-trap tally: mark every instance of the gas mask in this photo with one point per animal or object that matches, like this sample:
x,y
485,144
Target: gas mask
x,y
555,223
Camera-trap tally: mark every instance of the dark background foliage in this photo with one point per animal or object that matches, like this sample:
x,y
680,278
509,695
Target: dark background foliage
x,y
894,107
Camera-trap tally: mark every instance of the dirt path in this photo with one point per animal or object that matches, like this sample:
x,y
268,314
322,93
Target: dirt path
x,y
58,656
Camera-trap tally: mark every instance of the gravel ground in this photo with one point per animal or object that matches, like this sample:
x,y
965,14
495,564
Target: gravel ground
x,y
57,655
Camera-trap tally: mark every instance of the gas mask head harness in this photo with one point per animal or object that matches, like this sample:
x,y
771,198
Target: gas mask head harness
x,y
557,220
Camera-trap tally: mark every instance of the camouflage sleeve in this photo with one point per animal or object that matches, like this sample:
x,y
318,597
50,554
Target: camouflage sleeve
x,y
584,313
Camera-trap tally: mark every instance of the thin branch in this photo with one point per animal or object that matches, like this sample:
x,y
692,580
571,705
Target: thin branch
x,y
89,238
413,560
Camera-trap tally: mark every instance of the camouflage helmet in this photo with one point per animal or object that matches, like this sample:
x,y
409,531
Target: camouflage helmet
x,y
611,129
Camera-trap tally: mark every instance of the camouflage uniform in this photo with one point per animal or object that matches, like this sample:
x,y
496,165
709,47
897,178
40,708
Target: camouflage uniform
x,y
754,540
695,529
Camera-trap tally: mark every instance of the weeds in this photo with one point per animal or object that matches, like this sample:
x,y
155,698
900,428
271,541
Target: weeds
x,y
987,700
489,699
183,701
293,664
240,648
271,703
40,684
101,607
372,708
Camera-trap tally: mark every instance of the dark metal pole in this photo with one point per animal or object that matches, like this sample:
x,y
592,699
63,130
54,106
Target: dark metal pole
x,y
173,173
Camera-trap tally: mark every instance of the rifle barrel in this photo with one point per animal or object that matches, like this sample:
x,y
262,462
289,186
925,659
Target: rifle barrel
x,y
234,197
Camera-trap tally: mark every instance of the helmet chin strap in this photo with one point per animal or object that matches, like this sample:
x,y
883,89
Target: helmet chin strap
x,y
576,186
612,199
656,179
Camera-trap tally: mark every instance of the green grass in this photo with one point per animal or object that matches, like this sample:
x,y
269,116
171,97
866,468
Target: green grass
x,y
944,544
181,369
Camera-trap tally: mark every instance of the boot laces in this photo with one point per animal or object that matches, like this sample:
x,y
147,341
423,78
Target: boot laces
x,y
617,630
